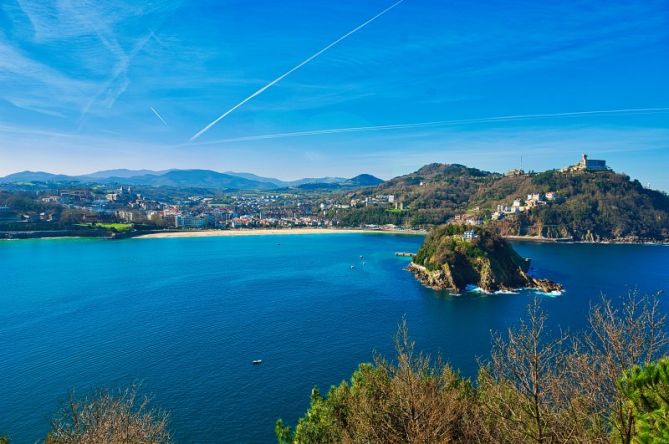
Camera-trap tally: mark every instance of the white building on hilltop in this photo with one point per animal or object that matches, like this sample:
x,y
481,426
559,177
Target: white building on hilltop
x,y
586,164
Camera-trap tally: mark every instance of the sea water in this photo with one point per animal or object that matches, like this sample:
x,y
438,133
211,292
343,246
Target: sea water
x,y
185,317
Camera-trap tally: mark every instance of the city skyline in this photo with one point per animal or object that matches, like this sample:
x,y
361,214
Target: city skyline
x,y
116,85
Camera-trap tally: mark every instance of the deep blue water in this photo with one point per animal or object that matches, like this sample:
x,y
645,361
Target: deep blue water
x,y
187,316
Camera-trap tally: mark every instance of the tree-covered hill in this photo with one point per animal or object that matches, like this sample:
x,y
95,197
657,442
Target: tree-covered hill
x,y
601,205
453,257
591,205
430,195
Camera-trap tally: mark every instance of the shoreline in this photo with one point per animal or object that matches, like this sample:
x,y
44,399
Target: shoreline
x,y
273,232
308,230
548,240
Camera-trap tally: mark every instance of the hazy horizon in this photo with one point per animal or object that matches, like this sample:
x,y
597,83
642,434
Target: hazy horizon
x,y
334,89
278,176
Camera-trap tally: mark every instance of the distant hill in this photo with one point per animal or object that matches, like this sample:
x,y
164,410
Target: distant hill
x,y
318,186
362,180
195,178
125,173
601,205
251,176
35,176
308,180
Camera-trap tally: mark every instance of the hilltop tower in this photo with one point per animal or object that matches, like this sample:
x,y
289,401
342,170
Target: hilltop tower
x,y
586,164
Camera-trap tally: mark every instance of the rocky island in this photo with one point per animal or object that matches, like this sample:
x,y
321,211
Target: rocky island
x,y
456,256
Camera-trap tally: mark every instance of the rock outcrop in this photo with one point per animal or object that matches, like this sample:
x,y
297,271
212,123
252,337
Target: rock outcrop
x,y
456,256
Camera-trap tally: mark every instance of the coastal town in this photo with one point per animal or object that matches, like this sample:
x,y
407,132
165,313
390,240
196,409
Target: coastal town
x,y
37,209
126,206
320,222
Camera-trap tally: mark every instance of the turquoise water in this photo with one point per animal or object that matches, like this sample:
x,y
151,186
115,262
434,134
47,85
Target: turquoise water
x,y
187,316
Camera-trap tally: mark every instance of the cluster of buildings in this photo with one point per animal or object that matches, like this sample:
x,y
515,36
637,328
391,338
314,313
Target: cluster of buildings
x,y
124,204
467,219
379,199
521,205
233,220
243,211
538,199
7,215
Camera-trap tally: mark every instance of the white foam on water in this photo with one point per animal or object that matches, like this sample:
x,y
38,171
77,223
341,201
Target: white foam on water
x,y
505,292
550,294
475,289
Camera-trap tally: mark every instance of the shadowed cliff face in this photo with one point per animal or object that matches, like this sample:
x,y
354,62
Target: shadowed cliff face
x,y
455,256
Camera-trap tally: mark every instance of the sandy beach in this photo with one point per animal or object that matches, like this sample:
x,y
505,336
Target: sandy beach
x,y
273,231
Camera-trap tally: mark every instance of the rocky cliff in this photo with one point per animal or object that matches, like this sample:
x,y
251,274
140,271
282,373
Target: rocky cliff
x,y
455,256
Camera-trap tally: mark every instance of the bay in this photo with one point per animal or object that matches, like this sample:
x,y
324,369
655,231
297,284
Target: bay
x,y
187,316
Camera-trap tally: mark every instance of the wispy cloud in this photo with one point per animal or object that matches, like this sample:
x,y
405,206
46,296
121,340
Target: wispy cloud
x,y
20,71
295,68
439,123
86,37
158,115
118,81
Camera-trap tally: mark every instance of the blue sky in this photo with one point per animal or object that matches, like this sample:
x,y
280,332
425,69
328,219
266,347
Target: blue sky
x,y
78,81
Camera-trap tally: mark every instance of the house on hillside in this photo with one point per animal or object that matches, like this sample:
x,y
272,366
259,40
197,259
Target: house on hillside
x,y
469,235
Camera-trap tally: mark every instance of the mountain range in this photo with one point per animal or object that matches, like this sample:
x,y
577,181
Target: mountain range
x,y
228,180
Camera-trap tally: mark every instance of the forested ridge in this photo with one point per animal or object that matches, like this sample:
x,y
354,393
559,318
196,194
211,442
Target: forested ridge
x,y
602,205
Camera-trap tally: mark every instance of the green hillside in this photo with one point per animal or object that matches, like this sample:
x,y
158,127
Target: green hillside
x,y
592,206
430,195
453,257
601,205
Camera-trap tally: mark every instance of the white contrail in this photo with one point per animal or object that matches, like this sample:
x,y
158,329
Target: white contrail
x,y
295,68
436,123
158,115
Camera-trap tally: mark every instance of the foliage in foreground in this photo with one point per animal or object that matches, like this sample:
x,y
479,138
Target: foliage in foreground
x,y
647,391
112,418
596,387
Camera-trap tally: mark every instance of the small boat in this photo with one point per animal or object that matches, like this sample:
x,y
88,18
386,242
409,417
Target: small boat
x,y
352,267
256,362
362,257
